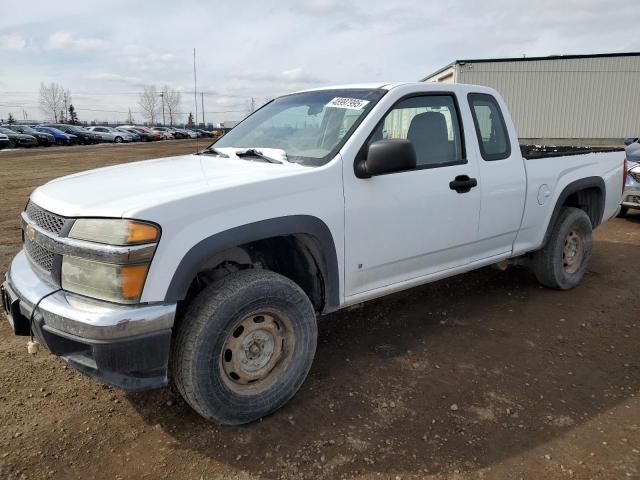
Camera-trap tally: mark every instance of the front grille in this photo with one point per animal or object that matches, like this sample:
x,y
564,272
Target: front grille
x,y
38,255
46,220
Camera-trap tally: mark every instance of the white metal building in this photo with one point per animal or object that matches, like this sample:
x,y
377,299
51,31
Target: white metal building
x,y
568,99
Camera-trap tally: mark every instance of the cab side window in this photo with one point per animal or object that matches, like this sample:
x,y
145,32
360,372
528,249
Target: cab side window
x,y
491,130
431,123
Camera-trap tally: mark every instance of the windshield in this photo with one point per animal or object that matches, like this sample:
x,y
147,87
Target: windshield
x,y
310,127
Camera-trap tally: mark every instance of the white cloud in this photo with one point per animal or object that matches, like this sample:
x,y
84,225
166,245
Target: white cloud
x,y
12,41
66,41
114,78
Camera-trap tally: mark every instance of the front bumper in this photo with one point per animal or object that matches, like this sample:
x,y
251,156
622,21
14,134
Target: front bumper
x,y
631,197
126,346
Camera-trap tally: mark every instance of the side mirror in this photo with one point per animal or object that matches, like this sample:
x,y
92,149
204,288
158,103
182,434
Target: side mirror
x,y
387,156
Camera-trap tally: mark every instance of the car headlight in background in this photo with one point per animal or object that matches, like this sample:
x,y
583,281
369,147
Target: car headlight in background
x,y
114,282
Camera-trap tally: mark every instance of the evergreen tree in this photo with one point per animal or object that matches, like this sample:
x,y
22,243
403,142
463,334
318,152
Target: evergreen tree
x,y
10,119
73,115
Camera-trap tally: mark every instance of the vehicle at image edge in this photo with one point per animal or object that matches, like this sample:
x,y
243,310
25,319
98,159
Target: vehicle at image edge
x,y
110,134
84,136
60,137
19,139
165,132
4,141
44,139
631,194
135,135
210,269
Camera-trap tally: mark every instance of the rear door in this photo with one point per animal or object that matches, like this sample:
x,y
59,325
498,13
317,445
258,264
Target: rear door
x,y
503,182
406,225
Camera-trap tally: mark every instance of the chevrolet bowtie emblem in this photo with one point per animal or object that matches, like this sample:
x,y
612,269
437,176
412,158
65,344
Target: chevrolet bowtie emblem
x,y
30,232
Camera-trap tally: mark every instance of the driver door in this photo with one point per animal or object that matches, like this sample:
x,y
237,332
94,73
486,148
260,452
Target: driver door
x,y
411,224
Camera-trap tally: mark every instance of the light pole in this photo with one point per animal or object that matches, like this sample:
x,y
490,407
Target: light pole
x,y
162,100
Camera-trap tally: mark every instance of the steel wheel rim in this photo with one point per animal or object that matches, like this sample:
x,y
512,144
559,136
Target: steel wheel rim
x,y
256,352
572,252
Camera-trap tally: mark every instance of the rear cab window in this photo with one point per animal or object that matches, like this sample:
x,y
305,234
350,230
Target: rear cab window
x,y
491,129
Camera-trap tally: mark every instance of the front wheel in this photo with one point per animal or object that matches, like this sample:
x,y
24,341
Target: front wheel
x,y
118,139
244,346
563,261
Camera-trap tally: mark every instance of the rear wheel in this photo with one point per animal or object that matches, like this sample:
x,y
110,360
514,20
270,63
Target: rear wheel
x,y
563,261
244,346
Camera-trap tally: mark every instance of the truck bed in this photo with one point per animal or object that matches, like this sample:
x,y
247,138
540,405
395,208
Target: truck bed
x,y
532,152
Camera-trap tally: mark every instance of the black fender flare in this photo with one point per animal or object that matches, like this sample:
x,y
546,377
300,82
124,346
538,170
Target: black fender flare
x,y
571,188
263,229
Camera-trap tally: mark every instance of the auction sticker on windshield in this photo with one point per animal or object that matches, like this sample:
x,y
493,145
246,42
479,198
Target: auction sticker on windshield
x,y
350,103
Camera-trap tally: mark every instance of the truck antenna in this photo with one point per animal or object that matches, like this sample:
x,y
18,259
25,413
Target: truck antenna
x,y
195,93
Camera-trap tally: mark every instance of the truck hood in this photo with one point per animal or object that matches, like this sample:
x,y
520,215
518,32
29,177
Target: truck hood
x,y
121,190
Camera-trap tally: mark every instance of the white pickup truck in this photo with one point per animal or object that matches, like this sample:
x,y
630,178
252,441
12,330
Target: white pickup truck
x,y
210,269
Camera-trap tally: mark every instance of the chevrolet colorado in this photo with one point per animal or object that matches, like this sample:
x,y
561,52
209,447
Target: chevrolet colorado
x,y
210,269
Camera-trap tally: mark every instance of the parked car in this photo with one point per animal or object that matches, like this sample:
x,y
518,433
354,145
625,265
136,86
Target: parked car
x,y
44,139
179,132
19,139
145,135
84,137
110,134
165,132
155,135
631,194
135,136
205,133
198,133
222,266
4,141
60,137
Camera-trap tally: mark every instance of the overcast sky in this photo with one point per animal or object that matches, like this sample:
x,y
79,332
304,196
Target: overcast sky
x,y
103,52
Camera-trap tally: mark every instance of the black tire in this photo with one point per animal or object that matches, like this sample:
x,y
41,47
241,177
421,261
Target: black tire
x,y
12,143
553,266
118,140
200,355
623,212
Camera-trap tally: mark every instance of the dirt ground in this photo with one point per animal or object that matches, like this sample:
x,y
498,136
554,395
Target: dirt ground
x,y
486,375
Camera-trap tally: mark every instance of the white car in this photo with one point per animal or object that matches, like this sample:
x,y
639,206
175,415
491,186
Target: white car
x,y
211,268
110,134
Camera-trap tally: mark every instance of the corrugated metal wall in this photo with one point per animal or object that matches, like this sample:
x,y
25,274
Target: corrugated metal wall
x,y
565,98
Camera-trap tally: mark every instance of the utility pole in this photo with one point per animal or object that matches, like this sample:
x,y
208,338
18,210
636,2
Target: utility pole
x,y
64,119
162,100
202,102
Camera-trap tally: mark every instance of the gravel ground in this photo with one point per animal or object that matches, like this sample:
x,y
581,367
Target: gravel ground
x,y
486,375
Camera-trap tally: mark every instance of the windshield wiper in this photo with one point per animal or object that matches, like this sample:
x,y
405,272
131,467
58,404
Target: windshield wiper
x,y
215,151
252,152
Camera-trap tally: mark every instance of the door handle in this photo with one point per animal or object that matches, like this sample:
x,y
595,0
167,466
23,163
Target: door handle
x,y
462,183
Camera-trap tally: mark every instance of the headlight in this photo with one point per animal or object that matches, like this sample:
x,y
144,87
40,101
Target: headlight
x,y
113,231
104,281
122,280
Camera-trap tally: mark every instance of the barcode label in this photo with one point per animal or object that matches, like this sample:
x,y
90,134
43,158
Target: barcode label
x,y
350,103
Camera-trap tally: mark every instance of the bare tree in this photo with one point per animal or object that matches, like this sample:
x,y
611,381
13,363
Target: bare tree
x,y
148,102
172,98
51,100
